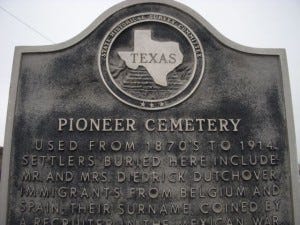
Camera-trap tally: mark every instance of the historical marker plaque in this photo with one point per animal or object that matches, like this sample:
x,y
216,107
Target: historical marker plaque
x,y
149,117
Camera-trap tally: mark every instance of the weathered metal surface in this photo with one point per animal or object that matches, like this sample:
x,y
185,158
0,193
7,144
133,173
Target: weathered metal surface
x,y
149,117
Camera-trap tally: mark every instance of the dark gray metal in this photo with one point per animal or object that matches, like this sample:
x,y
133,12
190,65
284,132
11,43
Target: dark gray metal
x,y
67,81
1,156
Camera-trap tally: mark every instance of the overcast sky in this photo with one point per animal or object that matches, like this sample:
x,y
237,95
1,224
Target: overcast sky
x,y
254,23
